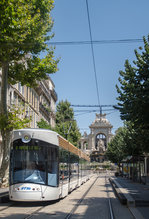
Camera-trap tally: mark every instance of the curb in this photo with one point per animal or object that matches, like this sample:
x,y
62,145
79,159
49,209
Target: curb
x,y
126,198
129,199
4,197
119,194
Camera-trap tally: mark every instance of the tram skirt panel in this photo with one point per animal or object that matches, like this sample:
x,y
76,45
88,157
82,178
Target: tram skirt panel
x,y
32,192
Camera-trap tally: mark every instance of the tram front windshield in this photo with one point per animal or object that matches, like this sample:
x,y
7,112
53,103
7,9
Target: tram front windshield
x,y
32,163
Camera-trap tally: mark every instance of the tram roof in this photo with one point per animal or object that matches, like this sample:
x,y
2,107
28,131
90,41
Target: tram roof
x,y
54,138
46,135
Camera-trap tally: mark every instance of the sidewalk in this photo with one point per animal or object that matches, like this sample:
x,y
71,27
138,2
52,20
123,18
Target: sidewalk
x,y
129,192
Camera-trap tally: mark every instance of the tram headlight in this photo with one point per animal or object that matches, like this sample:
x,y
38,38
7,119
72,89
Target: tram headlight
x,y
26,138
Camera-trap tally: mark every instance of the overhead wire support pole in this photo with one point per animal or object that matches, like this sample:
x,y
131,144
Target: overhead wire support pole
x,y
92,48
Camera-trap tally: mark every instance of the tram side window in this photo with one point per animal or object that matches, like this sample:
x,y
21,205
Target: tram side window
x,y
84,167
74,166
52,166
63,165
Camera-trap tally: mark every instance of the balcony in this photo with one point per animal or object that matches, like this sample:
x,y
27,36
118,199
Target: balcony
x,y
44,110
54,95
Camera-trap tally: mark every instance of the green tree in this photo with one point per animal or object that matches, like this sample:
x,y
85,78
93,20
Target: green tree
x,y
134,94
125,143
24,27
133,144
115,151
43,124
65,123
15,120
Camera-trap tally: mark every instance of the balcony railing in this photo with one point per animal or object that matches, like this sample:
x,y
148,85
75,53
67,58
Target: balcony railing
x,y
54,95
44,110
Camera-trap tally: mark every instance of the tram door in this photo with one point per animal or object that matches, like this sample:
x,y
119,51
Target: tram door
x,y
63,172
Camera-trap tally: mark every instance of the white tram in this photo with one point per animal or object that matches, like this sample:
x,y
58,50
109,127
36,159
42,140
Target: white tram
x,y
44,166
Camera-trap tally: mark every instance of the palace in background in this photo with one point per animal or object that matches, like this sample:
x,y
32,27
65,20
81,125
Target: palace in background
x,y
95,144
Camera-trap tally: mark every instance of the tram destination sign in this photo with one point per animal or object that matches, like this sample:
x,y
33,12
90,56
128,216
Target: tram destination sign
x,y
27,147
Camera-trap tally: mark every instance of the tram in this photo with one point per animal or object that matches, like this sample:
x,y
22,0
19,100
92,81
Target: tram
x,y
44,166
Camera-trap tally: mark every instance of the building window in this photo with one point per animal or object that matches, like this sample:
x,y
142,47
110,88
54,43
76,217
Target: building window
x,y
15,98
10,98
23,90
19,87
27,93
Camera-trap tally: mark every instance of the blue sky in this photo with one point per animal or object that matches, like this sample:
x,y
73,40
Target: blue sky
x,y
110,20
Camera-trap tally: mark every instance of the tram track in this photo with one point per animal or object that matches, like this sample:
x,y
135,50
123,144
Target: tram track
x,y
98,188
73,210
69,215
33,213
4,208
29,215
10,204
80,200
111,212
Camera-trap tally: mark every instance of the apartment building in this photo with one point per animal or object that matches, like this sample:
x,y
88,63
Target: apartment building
x,y
39,102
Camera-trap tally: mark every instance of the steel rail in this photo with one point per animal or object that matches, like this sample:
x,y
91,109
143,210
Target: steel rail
x,y
109,200
73,209
34,212
80,200
4,208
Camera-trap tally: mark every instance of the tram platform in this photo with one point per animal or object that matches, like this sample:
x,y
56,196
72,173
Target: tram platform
x,y
130,193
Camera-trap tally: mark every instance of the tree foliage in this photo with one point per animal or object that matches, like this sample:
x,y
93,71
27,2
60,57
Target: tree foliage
x,y
134,89
66,126
16,119
25,29
125,143
115,151
133,95
43,124
65,123
24,25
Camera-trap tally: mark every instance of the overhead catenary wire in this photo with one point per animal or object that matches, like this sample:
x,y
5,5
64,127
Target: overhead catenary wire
x,y
93,56
83,113
86,110
85,42
79,105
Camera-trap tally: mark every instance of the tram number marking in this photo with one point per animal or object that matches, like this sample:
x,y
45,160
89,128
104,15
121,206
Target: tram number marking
x,y
26,188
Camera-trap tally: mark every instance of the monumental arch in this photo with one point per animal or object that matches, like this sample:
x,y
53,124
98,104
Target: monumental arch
x,y
95,144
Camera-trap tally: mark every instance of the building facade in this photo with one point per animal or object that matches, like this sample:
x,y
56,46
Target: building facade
x,y
95,144
38,102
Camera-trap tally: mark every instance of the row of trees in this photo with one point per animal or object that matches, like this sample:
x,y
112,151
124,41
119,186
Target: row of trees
x,y
133,104
25,30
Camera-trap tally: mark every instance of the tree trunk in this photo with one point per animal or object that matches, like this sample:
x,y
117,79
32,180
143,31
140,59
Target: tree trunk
x,y
6,140
6,134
